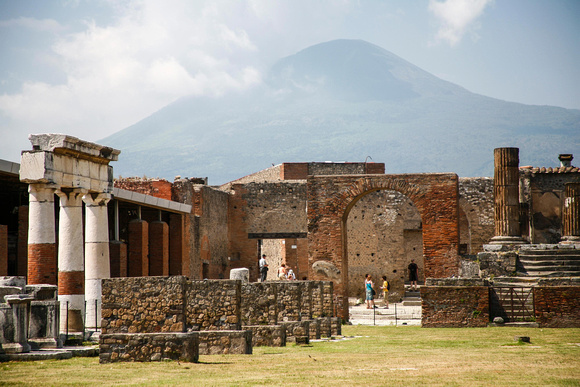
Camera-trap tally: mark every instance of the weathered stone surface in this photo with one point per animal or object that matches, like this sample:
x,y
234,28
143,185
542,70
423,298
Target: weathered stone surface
x,y
225,342
213,305
455,306
267,335
145,347
557,306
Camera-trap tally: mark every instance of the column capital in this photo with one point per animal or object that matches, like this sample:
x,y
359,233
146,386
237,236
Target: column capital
x,y
94,199
42,192
70,193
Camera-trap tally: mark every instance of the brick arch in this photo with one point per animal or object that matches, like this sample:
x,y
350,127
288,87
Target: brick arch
x,y
330,199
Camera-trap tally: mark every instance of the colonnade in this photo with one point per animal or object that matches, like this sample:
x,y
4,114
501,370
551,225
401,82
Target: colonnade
x,y
78,173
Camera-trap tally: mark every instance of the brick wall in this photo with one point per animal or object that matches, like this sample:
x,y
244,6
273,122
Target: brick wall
x,y
294,171
454,306
159,188
434,195
118,258
158,248
557,306
138,262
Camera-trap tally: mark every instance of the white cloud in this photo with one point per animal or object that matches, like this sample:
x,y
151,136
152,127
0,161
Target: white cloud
x,y
456,17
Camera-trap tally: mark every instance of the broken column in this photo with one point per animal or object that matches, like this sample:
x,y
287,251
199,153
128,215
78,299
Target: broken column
x,y
571,229
506,197
42,263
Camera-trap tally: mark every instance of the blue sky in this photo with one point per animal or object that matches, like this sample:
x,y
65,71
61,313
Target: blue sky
x,y
92,68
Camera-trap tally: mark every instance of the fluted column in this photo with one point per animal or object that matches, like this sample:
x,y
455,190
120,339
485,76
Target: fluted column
x,y
506,196
42,263
571,229
71,276
97,263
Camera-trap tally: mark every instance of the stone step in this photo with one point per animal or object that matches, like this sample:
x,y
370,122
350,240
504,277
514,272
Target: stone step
x,y
563,253
553,273
551,262
515,281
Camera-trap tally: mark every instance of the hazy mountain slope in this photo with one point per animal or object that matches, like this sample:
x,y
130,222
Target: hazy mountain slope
x,y
343,101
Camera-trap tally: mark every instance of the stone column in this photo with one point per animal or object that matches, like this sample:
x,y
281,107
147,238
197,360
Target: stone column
x,y
571,229
506,196
71,276
97,263
42,264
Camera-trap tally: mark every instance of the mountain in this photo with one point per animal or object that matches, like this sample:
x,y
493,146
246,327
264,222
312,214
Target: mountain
x,y
343,100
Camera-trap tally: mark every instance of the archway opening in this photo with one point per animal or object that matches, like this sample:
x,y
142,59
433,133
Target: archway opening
x,y
383,234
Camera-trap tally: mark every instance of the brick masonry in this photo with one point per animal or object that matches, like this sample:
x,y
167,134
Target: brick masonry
x,y
557,306
330,198
71,282
158,248
454,306
42,264
138,261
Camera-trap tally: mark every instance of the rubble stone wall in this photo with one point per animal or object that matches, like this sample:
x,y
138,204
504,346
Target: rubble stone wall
x,y
236,342
146,347
213,305
476,201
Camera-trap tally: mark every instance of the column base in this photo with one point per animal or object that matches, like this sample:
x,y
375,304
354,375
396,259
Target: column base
x,y
16,348
508,240
570,240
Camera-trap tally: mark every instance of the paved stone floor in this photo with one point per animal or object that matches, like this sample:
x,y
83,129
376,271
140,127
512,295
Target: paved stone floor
x,y
405,315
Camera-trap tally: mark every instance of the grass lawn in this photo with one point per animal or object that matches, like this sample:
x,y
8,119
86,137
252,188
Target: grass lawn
x,y
375,356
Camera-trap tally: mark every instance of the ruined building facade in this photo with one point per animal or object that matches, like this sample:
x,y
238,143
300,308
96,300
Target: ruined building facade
x,y
328,221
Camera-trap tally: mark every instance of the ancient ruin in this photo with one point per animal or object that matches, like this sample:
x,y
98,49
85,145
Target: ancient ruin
x,y
480,244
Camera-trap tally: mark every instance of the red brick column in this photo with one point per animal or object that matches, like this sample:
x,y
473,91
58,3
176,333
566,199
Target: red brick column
x,y
3,249
42,263
118,257
177,246
138,262
571,229
159,248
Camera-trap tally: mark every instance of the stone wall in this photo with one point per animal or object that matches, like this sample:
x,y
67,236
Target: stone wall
x,y
143,305
557,306
259,303
381,229
213,305
497,263
542,196
146,347
454,306
476,201
236,342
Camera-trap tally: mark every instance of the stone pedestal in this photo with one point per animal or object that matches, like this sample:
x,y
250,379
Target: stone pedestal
x,y
506,197
20,305
242,274
571,229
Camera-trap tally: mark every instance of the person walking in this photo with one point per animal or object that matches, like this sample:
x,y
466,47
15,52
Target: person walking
x,y
385,289
263,268
282,272
370,292
413,274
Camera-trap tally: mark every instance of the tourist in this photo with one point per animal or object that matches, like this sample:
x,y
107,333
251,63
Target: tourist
x,y
370,292
282,272
385,289
290,276
263,268
413,274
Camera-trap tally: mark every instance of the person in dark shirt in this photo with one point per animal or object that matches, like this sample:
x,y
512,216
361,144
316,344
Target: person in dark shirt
x,y
413,274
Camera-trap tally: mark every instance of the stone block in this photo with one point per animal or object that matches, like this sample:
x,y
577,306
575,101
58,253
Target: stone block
x,y
225,342
145,347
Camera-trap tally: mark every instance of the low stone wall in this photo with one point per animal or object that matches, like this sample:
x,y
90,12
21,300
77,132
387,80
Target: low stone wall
x,y
259,301
143,305
557,306
267,335
213,305
455,306
225,342
146,347
297,331
335,326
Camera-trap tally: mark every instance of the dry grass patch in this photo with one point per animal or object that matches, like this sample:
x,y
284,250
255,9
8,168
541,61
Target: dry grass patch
x,y
375,356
